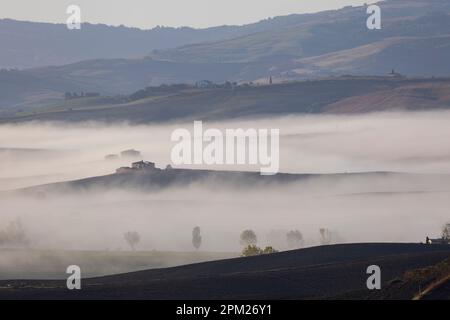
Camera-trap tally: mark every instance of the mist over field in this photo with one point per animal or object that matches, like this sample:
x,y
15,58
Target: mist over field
x,y
35,153
165,219
375,208
298,153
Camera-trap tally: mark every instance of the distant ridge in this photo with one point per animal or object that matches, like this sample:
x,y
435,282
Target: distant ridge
x,y
414,40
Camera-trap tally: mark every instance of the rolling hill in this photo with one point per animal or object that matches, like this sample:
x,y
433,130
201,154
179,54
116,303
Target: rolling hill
x,y
51,264
418,56
34,44
160,179
335,95
322,33
314,273
414,40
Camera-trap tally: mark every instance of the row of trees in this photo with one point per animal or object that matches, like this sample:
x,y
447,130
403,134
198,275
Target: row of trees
x,y
294,238
248,238
132,238
14,235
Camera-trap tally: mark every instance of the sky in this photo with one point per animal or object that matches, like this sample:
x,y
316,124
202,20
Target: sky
x,y
147,14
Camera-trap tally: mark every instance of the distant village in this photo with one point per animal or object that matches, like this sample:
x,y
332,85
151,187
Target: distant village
x,y
76,95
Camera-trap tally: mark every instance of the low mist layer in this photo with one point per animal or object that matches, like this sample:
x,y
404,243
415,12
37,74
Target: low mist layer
x,y
37,153
355,208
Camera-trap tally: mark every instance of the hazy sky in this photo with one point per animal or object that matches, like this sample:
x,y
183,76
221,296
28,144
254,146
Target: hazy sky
x,y
150,13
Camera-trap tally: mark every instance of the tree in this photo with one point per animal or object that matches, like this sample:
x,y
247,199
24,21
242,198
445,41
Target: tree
x,y
14,235
446,231
269,250
294,239
132,238
251,250
248,237
196,238
325,236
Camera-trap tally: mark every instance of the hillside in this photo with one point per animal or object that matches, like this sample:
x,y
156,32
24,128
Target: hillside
x,y
160,179
51,264
414,40
32,44
423,283
313,273
337,95
416,56
156,180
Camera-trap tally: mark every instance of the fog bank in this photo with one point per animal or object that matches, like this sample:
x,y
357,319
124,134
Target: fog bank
x,y
375,208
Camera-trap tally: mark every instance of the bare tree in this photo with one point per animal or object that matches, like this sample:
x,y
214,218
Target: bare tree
x,y
196,238
325,236
446,231
248,237
294,239
14,235
132,238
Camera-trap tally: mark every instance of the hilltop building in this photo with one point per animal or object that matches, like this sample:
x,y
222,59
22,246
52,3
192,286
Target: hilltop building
x,y
204,84
75,95
140,166
143,165
437,241
394,74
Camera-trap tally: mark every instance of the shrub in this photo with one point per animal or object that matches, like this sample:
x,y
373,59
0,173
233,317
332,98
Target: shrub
x,y
253,250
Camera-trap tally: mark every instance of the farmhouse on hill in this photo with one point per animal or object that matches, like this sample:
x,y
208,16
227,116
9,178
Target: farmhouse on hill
x,y
394,74
437,241
138,166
